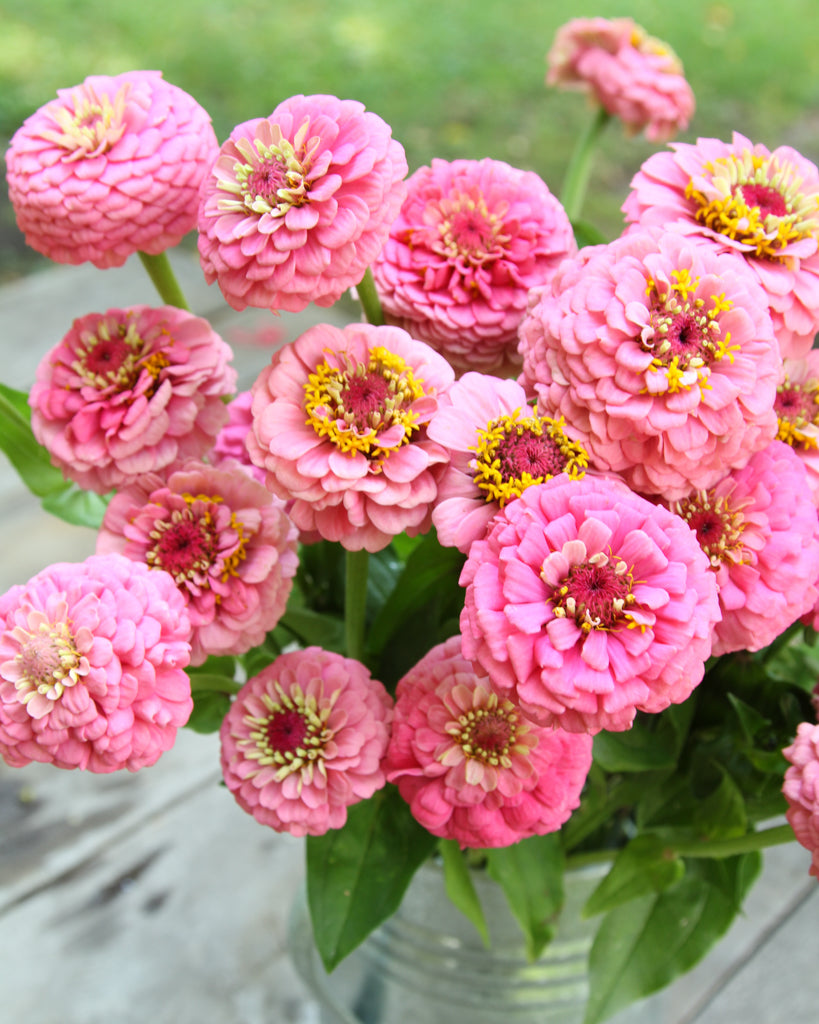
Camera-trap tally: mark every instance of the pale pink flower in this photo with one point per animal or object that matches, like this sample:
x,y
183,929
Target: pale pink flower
x,y
588,603
797,409
304,740
801,789
498,446
658,352
759,203
225,540
760,531
92,666
129,391
299,204
472,238
339,424
470,766
633,76
232,438
111,167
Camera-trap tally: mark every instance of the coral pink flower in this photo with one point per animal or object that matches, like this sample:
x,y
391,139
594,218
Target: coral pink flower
x,y
633,76
92,666
760,530
588,603
299,204
801,789
304,740
339,422
225,540
472,238
659,353
470,766
498,447
762,204
128,391
797,408
111,167
231,441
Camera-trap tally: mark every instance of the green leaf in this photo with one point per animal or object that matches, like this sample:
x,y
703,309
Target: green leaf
x,y
459,887
587,234
25,453
209,709
644,866
721,814
531,875
637,750
74,505
205,682
357,875
641,946
309,627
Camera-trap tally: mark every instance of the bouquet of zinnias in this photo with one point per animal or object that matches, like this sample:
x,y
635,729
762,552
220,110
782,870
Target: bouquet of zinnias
x,y
520,569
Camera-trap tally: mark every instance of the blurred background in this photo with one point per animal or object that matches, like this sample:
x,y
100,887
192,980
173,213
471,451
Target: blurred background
x,y
454,78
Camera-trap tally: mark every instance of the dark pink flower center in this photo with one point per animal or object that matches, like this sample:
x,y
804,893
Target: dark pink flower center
x,y
266,180
767,199
718,524
363,395
184,547
595,594
285,731
492,733
106,357
528,452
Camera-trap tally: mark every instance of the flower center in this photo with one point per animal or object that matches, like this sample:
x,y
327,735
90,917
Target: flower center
x,y
596,593
466,231
293,734
683,333
797,407
491,731
114,356
189,544
48,661
88,124
364,408
756,201
718,524
514,452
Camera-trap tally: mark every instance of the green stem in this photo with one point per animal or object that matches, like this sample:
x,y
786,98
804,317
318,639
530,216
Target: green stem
x,y
368,297
164,279
355,602
580,164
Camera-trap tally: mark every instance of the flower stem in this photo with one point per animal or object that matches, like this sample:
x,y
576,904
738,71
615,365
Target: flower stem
x,y
164,279
368,297
580,164
355,602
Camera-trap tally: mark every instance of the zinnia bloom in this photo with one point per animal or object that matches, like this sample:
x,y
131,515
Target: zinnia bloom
x,y
659,353
760,530
299,204
225,540
129,391
472,238
92,666
797,409
633,76
589,604
111,167
759,203
498,446
470,766
304,740
339,422
801,789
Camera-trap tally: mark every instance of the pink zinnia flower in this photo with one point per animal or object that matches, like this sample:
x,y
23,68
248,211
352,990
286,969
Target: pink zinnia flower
x,y
470,766
589,603
801,789
92,666
760,530
231,443
111,167
472,238
129,391
299,204
304,740
339,422
633,76
659,353
797,408
225,540
498,446
759,203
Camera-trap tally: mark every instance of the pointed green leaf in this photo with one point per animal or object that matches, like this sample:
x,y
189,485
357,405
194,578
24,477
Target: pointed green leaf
x,y
644,866
209,710
25,453
721,814
459,887
74,505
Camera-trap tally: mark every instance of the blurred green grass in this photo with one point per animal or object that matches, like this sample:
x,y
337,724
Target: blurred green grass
x,y
454,78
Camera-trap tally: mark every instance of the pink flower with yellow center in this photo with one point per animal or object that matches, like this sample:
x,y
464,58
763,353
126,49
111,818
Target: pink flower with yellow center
x,y
226,541
304,740
339,425
470,766
472,238
760,531
298,204
498,446
111,167
92,666
797,410
759,203
658,352
801,789
587,603
129,391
